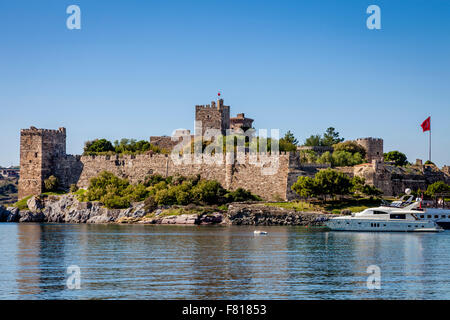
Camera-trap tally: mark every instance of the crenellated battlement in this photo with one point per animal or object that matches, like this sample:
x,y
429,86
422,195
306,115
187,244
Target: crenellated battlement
x,y
373,147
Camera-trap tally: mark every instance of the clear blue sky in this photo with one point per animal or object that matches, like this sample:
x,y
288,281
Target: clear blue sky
x,y
138,68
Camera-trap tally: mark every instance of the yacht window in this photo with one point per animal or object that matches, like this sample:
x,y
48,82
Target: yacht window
x,y
422,216
436,216
443,216
429,216
379,212
397,216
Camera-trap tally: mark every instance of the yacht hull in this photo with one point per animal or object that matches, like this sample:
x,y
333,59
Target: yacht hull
x,y
374,225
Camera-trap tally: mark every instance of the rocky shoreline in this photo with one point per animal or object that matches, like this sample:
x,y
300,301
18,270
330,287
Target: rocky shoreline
x,y
67,209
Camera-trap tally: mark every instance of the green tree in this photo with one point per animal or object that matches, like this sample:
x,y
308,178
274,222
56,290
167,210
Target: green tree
x,y
208,192
331,137
289,137
330,182
305,187
437,187
326,158
350,146
345,158
98,145
397,157
313,141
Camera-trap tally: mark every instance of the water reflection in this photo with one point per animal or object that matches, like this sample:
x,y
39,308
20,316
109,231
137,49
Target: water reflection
x,y
176,262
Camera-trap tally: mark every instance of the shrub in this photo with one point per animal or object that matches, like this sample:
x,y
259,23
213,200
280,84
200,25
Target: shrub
x,y
437,187
240,195
345,158
208,192
97,146
113,191
73,188
51,184
163,197
397,157
350,146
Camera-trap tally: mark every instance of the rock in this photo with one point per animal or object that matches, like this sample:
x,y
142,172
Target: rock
x,y
213,218
3,214
259,214
28,216
14,214
34,204
181,219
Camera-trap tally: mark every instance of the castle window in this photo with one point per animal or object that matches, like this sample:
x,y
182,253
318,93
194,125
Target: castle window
x,y
35,154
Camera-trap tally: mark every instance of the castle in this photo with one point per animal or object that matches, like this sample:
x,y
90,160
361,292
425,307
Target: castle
x,y
43,153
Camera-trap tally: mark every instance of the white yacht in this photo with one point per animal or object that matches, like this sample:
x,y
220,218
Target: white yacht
x,y
399,215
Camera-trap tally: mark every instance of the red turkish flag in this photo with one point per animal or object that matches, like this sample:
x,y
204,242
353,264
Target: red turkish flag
x,y
426,125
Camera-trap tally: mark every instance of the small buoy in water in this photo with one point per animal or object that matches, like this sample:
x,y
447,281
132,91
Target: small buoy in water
x,y
259,232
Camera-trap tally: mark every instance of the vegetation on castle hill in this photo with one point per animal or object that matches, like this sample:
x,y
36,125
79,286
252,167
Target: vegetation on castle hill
x,y
116,193
51,184
124,146
348,153
397,157
437,188
332,183
329,138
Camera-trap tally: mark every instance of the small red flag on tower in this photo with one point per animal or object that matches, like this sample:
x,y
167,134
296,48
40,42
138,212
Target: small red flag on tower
x,y
218,94
426,125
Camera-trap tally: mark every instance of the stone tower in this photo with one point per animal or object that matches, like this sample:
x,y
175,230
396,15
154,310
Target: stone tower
x,y
374,148
214,116
40,149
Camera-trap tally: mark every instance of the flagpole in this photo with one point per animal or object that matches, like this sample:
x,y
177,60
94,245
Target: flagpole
x,y
429,155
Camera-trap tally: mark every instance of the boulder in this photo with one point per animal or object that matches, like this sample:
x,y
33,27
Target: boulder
x,y
181,219
4,214
28,216
34,204
14,214
212,218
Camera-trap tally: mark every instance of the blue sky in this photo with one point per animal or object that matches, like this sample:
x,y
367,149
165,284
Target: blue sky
x,y
138,68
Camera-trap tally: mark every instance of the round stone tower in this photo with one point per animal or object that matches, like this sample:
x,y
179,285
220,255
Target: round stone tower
x,y
374,148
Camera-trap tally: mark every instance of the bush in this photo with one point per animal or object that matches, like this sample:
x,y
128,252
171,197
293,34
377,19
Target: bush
x,y
98,146
241,195
114,192
73,188
51,184
397,157
437,187
345,158
208,192
350,146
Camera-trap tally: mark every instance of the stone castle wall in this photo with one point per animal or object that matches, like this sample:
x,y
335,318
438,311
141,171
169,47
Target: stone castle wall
x,y
43,154
249,176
